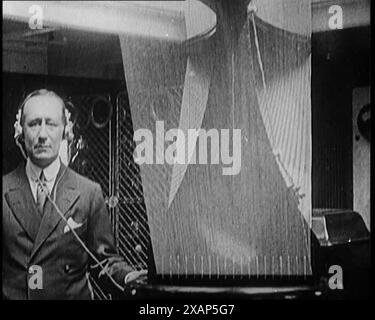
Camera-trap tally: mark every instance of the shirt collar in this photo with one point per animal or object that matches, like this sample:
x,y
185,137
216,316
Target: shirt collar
x,y
50,172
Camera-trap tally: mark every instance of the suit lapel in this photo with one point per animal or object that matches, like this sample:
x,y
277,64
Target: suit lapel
x,y
66,196
22,204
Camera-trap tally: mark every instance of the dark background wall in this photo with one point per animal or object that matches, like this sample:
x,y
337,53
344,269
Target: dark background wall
x,y
340,62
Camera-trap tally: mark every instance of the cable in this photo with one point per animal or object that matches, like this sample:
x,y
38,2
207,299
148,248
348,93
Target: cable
x,y
20,147
252,11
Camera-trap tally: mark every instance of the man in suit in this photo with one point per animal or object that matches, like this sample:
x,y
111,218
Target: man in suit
x,y
42,258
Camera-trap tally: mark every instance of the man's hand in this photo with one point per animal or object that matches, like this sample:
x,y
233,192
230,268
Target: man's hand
x,y
136,277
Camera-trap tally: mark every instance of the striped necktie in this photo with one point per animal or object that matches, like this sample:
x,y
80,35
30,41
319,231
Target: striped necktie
x,y
41,193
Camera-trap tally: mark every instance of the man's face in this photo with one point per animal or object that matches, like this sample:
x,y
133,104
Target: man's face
x,y
43,129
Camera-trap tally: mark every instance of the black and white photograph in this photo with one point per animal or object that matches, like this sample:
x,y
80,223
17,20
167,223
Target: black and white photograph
x,y
163,151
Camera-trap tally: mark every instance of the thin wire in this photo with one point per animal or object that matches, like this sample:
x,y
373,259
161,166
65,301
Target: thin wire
x,y
258,50
20,147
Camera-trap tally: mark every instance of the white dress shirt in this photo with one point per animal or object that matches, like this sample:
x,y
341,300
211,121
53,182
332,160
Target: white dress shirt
x,y
50,173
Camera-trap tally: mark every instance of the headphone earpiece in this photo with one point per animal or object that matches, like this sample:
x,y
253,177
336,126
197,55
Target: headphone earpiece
x,y
68,129
17,125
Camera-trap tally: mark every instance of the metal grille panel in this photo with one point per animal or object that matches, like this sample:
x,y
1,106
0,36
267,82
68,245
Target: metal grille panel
x,y
132,230
94,159
106,156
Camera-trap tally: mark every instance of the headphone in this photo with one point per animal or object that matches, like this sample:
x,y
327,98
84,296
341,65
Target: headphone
x,y
68,127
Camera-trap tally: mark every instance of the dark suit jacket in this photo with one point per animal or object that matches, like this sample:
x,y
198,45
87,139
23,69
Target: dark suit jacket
x,y
29,239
